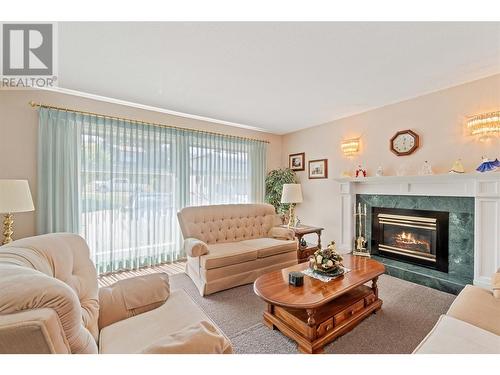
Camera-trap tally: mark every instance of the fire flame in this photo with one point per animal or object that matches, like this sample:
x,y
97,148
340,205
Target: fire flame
x,y
409,239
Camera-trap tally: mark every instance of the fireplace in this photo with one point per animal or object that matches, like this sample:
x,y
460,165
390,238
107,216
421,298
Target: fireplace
x,y
413,236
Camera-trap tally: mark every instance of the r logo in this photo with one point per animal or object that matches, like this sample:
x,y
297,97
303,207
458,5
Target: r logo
x,y
27,49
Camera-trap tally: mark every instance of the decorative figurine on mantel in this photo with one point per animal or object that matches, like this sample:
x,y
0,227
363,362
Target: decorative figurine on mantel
x,y
457,167
380,171
488,166
426,169
360,172
360,243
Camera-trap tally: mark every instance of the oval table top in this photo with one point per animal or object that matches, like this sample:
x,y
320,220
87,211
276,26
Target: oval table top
x,y
273,287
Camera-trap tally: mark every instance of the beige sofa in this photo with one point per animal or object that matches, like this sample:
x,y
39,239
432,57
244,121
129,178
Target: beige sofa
x,y
50,303
233,244
471,325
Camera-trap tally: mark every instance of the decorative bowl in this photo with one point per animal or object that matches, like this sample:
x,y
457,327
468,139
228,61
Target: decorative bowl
x,y
327,261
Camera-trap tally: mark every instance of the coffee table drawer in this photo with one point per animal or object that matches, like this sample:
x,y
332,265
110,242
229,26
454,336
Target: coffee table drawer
x,y
350,311
325,327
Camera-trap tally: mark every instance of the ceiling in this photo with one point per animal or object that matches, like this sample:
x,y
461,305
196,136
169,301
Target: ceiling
x,y
279,77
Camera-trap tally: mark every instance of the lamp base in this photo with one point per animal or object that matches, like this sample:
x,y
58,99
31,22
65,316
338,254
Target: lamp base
x,y
8,223
291,216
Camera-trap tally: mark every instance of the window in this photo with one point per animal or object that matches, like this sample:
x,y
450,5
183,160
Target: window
x,y
133,178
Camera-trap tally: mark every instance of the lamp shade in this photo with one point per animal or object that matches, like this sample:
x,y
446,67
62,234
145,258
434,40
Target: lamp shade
x,y
292,193
15,196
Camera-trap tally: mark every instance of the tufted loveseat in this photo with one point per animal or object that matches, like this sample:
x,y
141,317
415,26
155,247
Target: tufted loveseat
x,y
50,303
233,244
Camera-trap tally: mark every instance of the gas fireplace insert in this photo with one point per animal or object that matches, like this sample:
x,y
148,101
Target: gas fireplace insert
x,y
414,236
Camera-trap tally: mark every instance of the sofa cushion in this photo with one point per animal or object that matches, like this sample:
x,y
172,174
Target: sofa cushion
x,y
137,333
453,336
267,247
226,254
133,296
199,338
245,267
478,307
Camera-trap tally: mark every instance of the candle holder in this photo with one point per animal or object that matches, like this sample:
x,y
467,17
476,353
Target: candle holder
x,y
360,241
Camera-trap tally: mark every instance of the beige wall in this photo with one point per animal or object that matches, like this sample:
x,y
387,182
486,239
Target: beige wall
x,y
18,136
438,118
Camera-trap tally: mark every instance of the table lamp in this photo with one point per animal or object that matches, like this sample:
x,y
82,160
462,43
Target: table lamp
x,y
292,194
15,196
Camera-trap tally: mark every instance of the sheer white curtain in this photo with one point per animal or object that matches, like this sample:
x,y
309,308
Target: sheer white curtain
x,y
224,170
134,177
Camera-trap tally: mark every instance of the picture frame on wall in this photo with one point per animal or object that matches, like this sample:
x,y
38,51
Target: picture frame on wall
x,y
318,168
297,162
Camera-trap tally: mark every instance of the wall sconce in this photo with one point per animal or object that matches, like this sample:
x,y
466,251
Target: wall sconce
x,y
484,126
350,147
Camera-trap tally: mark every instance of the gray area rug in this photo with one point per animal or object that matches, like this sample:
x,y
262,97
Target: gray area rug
x,y
408,314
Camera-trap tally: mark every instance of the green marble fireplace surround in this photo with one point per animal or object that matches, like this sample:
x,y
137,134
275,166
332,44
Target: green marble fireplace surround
x,y
461,239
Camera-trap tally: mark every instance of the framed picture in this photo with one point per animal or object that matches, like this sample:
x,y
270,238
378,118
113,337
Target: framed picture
x,y
318,168
297,162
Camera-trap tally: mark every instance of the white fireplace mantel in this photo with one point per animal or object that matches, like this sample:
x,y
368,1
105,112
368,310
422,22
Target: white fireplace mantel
x,y
484,188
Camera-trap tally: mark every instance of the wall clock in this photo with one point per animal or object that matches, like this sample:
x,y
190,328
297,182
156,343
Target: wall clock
x,y
404,142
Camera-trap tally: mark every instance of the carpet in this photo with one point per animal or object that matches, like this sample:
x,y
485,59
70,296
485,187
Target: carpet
x,y
408,314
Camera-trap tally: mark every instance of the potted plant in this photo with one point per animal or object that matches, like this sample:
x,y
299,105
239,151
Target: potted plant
x,y
275,180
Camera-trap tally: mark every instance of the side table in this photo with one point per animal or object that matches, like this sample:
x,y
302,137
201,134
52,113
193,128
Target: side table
x,y
303,253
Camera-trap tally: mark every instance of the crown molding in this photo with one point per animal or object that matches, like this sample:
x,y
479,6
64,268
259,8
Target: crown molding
x,y
151,108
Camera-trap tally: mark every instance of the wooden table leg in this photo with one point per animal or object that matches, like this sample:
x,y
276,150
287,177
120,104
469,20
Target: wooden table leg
x,y
270,311
375,291
311,323
310,317
319,239
374,286
311,334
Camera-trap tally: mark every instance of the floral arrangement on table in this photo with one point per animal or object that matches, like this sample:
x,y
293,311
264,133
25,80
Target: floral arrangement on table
x,y
327,261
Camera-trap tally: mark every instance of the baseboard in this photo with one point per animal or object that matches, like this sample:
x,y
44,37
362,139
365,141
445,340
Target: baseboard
x,y
483,282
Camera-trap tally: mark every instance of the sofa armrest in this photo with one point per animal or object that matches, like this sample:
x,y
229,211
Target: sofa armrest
x,y
495,284
281,233
195,247
131,297
37,331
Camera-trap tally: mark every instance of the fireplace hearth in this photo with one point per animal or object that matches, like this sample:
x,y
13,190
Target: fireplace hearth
x,y
411,235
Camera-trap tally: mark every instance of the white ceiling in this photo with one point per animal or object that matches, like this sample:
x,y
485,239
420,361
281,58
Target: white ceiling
x,y
279,77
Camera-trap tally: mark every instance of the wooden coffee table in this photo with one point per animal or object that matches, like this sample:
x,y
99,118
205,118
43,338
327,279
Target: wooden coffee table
x,y
317,312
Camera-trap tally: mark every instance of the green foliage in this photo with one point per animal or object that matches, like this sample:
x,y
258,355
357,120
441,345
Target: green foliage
x,y
275,180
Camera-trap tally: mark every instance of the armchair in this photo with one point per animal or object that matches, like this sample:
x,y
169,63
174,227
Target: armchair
x,y
50,303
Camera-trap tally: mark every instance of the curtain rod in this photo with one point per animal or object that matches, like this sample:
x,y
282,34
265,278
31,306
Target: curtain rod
x,y
40,105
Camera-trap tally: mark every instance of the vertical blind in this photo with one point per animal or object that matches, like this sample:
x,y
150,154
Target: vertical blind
x,y
120,183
